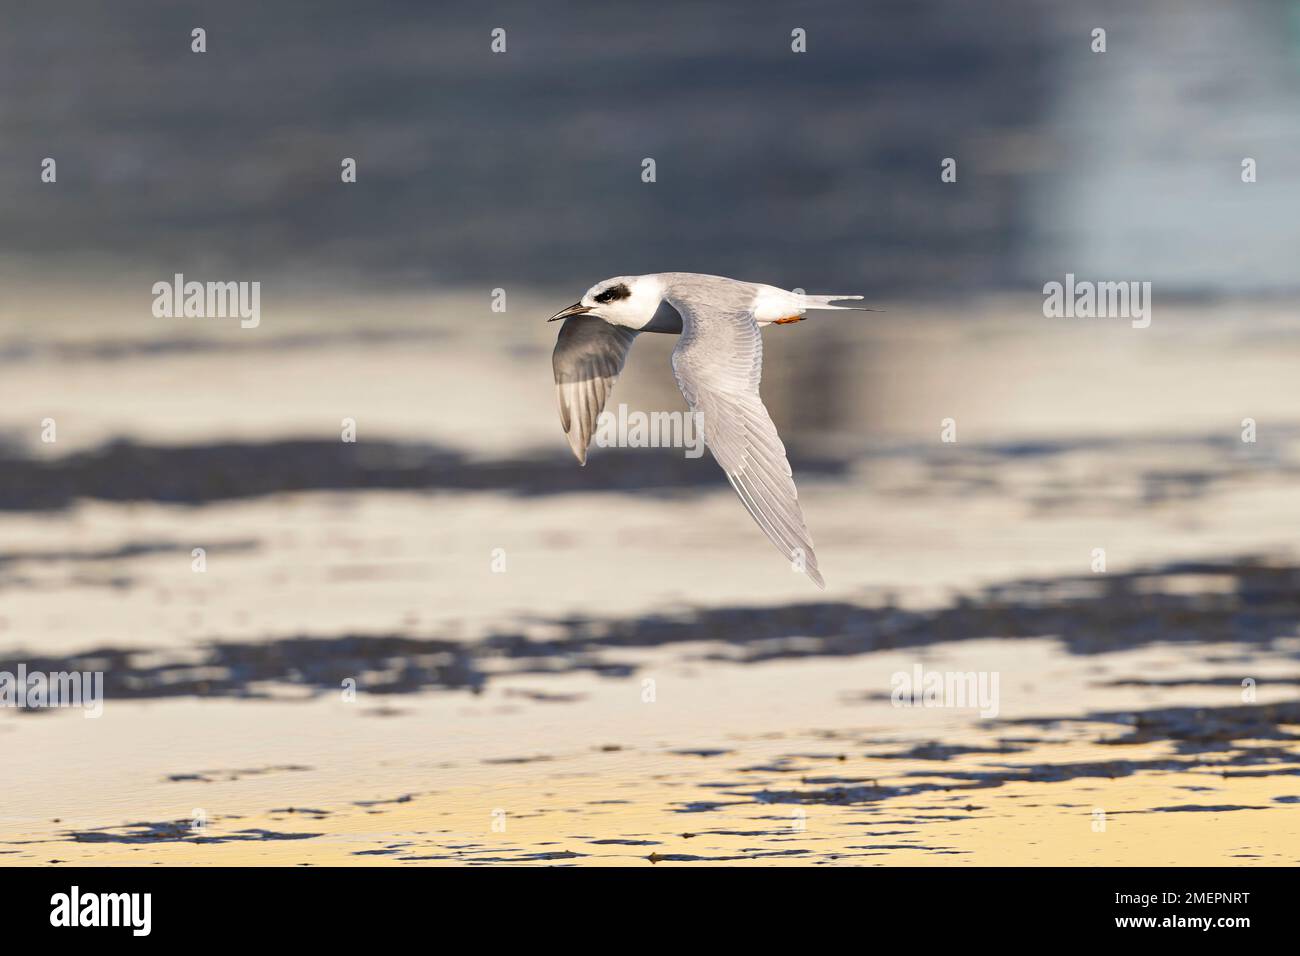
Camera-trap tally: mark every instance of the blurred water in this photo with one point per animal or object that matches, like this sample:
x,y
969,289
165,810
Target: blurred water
x,y
523,171
820,168
1143,176
476,167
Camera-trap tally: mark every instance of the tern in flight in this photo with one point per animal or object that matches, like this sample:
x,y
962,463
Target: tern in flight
x,y
717,363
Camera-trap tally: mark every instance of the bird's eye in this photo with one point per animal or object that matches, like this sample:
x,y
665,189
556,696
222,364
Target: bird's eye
x,y
614,292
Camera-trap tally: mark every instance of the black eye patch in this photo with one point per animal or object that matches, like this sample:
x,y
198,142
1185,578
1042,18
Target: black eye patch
x,y
614,293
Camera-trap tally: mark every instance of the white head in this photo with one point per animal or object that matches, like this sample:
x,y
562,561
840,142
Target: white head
x,y
629,301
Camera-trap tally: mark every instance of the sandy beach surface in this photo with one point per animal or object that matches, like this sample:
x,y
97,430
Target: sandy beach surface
x,y
558,665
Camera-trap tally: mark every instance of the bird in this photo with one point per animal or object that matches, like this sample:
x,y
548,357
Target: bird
x,y
718,364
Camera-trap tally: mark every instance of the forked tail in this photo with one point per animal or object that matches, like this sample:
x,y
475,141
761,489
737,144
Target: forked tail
x,y
825,302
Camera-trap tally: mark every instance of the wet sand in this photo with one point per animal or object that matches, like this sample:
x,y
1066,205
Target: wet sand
x,y
502,717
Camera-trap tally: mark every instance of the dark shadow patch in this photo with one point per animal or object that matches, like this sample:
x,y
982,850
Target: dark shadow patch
x,y
937,751
177,831
1091,614
543,697
212,776
1197,808
1228,681
701,752
1199,729
404,798
749,855
197,474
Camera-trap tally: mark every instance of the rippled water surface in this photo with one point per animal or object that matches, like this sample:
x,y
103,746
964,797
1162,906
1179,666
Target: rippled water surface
x,y
647,683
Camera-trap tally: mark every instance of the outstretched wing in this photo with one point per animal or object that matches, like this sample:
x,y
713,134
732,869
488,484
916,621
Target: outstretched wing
x,y
718,364
588,356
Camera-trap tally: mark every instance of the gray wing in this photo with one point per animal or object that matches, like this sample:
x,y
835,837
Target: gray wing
x,y
718,364
589,354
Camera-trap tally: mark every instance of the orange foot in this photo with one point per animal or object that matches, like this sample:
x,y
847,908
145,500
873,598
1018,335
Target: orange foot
x,y
788,319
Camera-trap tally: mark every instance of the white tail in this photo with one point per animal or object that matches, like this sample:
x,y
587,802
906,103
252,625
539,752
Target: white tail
x,y
824,302
773,304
